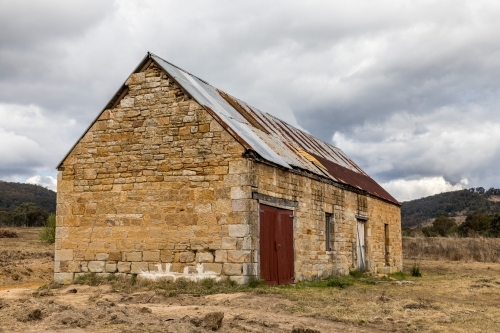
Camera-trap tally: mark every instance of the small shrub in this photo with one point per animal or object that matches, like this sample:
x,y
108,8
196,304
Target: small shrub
x,y
357,274
48,234
207,283
8,234
337,282
254,282
415,270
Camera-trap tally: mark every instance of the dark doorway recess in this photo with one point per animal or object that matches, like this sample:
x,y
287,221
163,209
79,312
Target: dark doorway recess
x,y
276,245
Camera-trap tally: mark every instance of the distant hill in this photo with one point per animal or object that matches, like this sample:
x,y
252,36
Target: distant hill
x,y
14,194
453,204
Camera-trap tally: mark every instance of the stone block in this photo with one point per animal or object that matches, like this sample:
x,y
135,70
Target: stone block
x,y
238,166
231,269
96,266
63,255
186,256
123,266
73,266
136,78
250,269
63,278
239,192
220,256
115,255
228,243
139,267
101,256
166,256
204,257
127,102
151,255
238,230
241,205
212,267
110,268
238,256
134,256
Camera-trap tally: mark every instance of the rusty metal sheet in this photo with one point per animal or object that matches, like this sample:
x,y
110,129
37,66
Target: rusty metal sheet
x,y
273,139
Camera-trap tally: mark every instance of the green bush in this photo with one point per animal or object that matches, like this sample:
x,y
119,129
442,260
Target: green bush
x,y
415,270
338,282
48,234
357,274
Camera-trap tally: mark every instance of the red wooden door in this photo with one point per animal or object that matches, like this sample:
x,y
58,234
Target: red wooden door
x,y
276,245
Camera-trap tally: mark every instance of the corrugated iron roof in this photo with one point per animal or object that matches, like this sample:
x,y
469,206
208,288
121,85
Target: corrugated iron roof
x,y
272,138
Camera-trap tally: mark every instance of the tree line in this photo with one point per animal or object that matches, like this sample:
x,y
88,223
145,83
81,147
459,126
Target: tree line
x,y
476,224
26,214
419,211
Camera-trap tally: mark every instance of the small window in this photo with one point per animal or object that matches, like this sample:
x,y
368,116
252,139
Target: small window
x,y
329,232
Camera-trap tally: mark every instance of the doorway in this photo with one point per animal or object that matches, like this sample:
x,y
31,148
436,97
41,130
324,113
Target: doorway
x,y
361,245
276,245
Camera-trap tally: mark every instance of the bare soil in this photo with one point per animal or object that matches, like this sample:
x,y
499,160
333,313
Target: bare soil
x,y
450,297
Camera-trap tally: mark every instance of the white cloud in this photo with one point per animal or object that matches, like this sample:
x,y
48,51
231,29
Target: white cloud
x,y
404,190
45,181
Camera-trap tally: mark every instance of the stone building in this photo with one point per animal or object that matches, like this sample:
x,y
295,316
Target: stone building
x,y
176,178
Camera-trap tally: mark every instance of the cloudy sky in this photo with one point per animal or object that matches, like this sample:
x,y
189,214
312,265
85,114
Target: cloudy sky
x,y
410,90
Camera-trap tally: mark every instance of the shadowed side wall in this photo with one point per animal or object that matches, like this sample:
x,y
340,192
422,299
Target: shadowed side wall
x,y
316,200
156,180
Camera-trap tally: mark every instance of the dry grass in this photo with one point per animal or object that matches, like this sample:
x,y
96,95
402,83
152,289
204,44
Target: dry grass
x,y
8,234
455,249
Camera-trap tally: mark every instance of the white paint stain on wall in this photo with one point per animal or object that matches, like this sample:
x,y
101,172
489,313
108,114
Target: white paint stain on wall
x,y
167,273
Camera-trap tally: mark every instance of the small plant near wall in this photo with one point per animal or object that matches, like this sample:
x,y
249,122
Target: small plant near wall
x,y
415,270
48,234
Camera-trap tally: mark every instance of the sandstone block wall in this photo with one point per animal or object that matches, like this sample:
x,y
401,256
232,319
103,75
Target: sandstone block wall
x,y
155,181
158,187
315,200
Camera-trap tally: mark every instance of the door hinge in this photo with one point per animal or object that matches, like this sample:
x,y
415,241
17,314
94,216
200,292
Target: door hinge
x,y
261,210
291,216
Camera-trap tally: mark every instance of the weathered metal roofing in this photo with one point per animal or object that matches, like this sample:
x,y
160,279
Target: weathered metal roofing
x,y
273,139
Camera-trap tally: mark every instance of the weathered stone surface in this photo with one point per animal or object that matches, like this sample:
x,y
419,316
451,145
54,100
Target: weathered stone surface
x,y
221,256
151,256
139,267
238,230
231,269
110,268
186,256
212,267
61,255
102,256
238,256
204,257
63,278
228,243
96,266
123,266
134,256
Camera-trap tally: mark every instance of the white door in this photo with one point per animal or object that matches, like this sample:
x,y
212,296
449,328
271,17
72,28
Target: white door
x,y
360,248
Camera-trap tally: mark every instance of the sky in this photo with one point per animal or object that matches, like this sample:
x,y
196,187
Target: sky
x,y
410,90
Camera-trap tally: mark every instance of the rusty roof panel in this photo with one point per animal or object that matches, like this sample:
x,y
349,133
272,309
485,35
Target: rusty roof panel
x,y
270,137
361,181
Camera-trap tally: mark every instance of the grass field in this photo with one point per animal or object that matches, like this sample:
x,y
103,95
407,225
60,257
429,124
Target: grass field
x,y
451,296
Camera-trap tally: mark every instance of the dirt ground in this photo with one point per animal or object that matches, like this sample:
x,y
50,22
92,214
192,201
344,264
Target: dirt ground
x,y
450,297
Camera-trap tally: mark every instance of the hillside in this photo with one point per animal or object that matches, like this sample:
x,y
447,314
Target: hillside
x,y
453,204
14,194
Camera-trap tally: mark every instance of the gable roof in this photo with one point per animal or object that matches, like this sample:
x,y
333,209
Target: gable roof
x,y
271,138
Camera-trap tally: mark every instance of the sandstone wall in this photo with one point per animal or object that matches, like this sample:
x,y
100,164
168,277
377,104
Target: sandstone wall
x,y
156,180
317,199
158,187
